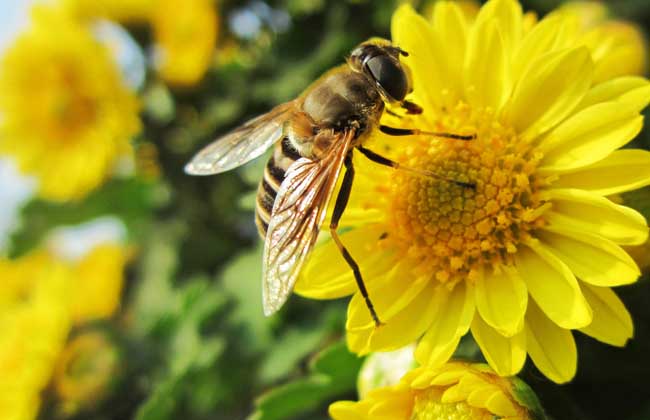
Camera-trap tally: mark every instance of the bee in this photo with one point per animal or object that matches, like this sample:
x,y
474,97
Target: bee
x,y
314,137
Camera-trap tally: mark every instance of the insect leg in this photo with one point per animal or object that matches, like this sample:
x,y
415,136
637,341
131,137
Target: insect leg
x,y
393,113
341,202
412,108
377,158
392,131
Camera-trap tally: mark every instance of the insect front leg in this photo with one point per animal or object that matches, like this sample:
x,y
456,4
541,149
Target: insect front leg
x,y
341,202
392,131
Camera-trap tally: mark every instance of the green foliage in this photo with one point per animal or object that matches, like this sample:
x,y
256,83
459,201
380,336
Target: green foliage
x,y
332,373
132,200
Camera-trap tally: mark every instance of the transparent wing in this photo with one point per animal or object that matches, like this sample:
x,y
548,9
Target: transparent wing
x,y
241,145
298,212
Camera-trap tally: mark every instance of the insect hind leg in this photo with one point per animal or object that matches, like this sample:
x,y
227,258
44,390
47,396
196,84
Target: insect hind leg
x,y
339,207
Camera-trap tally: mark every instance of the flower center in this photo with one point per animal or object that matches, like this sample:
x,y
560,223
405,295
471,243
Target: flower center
x,y
455,228
429,407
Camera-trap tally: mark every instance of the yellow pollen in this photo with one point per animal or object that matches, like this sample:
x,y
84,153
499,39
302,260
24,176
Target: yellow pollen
x,y
429,407
453,229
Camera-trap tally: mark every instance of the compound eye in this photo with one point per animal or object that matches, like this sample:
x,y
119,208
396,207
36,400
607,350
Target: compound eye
x,y
389,75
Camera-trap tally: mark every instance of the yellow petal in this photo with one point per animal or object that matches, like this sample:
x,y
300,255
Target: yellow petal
x,y
583,211
612,322
501,300
480,397
508,17
453,394
414,34
552,285
589,136
455,310
448,377
326,275
501,405
344,410
450,23
549,91
634,91
397,405
406,326
506,355
552,349
592,259
487,82
539,41
623,170
389,294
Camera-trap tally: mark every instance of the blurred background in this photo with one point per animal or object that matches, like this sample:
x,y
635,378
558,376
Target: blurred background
x,y
131,290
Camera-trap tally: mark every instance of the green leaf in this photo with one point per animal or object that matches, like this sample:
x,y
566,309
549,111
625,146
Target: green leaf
x,y
332,372
292,399
154,299
527,397
242,281
337,362
289,349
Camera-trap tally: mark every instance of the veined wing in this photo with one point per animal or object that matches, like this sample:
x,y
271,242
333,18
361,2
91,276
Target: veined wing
x,y
241,145
298,212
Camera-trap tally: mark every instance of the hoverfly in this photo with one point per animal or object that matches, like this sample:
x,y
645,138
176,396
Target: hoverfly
x,y
315,136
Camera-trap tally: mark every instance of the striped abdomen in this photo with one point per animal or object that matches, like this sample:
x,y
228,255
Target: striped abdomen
x,y
284,155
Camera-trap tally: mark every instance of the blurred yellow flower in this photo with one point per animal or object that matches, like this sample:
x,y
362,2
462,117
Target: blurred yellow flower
x,y
34,320
455,391
66,114
185,32
86,370
186,35
528,255
41,298
125,11
618,47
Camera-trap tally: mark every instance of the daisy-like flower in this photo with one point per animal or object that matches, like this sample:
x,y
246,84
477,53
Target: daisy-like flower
x,y
455,391
66,115
531,252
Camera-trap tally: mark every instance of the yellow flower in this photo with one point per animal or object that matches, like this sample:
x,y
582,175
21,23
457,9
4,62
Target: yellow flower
x,y
41,298
126,11
34,321
66,114
528,255
185,32
618,47
455,391
85,371
186,35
